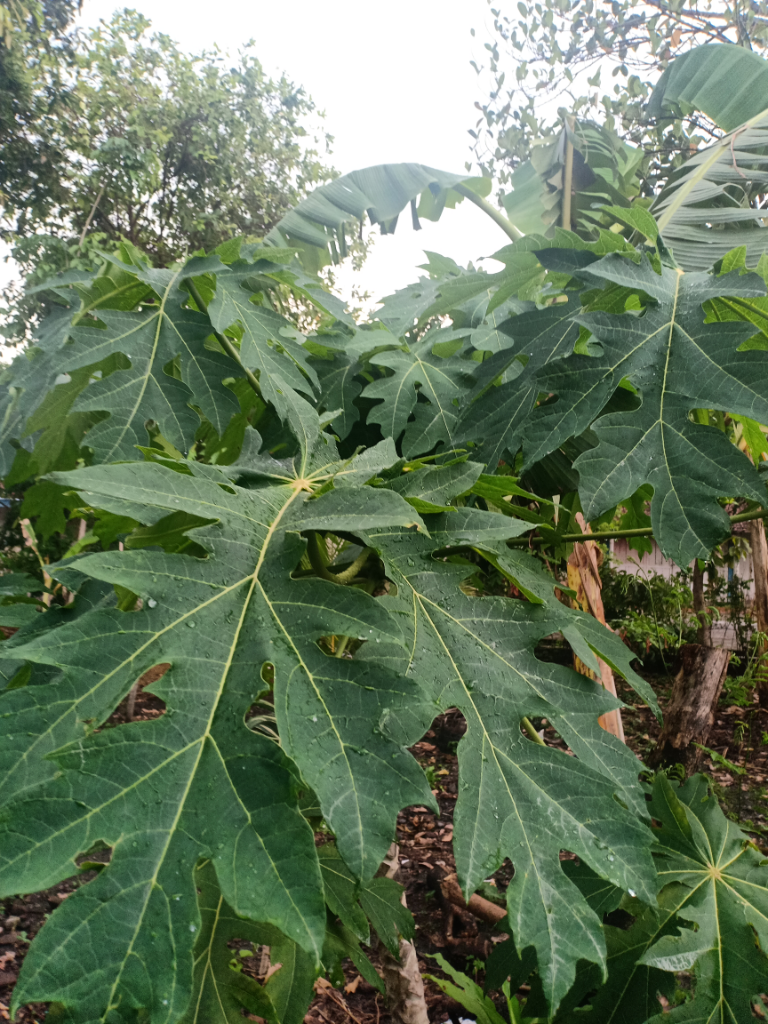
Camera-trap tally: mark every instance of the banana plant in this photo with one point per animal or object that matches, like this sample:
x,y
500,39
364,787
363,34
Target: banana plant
x,y
714,202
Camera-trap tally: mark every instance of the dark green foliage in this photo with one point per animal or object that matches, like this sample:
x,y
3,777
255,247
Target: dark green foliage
x,y
711,916
309,603
115,134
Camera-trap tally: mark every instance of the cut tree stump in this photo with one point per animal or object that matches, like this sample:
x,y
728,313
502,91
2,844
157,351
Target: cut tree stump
x,y
691,712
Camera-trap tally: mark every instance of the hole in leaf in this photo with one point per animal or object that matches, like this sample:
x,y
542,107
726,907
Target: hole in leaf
x,y
340,646
140,705
619,919
260,717
95,858
448,728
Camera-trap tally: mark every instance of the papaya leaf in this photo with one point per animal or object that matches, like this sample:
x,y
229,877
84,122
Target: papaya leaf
x,y
27,381
636,217
431,488
720,881
439,380
213,788
339,387
340,944
341,892
48,504
678,363
710,919
401,311
151,338
57,431
381,901
30,377
629,996
496,415
82,958
519,799
220,991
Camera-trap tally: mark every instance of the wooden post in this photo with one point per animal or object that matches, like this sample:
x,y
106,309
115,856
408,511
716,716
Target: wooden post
x,y
691,711
703,632
584,578
760,567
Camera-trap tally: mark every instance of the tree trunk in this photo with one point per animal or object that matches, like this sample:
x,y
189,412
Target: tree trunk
x,y
584,578
760,566
703,632
691,711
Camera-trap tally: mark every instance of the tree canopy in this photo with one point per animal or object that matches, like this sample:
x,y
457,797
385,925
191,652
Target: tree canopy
x,y
118,134
598,61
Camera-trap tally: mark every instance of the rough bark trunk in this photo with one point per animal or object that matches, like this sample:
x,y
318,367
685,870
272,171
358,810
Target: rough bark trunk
x,y
404,985
760,566
703,633
691,712
584,578
402,978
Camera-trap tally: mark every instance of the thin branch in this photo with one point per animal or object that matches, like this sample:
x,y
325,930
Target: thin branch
x,y
90,218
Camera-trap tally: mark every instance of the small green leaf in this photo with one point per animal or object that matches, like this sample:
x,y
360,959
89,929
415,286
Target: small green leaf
x,y
636,217
381,899
466,992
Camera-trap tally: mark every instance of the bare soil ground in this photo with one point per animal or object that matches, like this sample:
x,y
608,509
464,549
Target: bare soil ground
x,y
740,736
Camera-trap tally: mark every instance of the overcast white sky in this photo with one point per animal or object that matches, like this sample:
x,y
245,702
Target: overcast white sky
x,y
394,80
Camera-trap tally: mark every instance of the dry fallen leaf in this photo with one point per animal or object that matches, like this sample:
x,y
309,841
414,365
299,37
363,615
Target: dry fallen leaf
x,y
351,988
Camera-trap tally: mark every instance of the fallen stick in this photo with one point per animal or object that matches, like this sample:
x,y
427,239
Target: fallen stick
x,y
477,905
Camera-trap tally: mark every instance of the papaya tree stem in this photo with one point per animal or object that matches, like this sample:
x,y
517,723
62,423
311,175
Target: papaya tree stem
x,y
531,732
568,185
319,562
506,225
742,517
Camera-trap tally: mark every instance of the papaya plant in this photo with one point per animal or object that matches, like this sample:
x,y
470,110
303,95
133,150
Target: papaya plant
x,y
287,532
